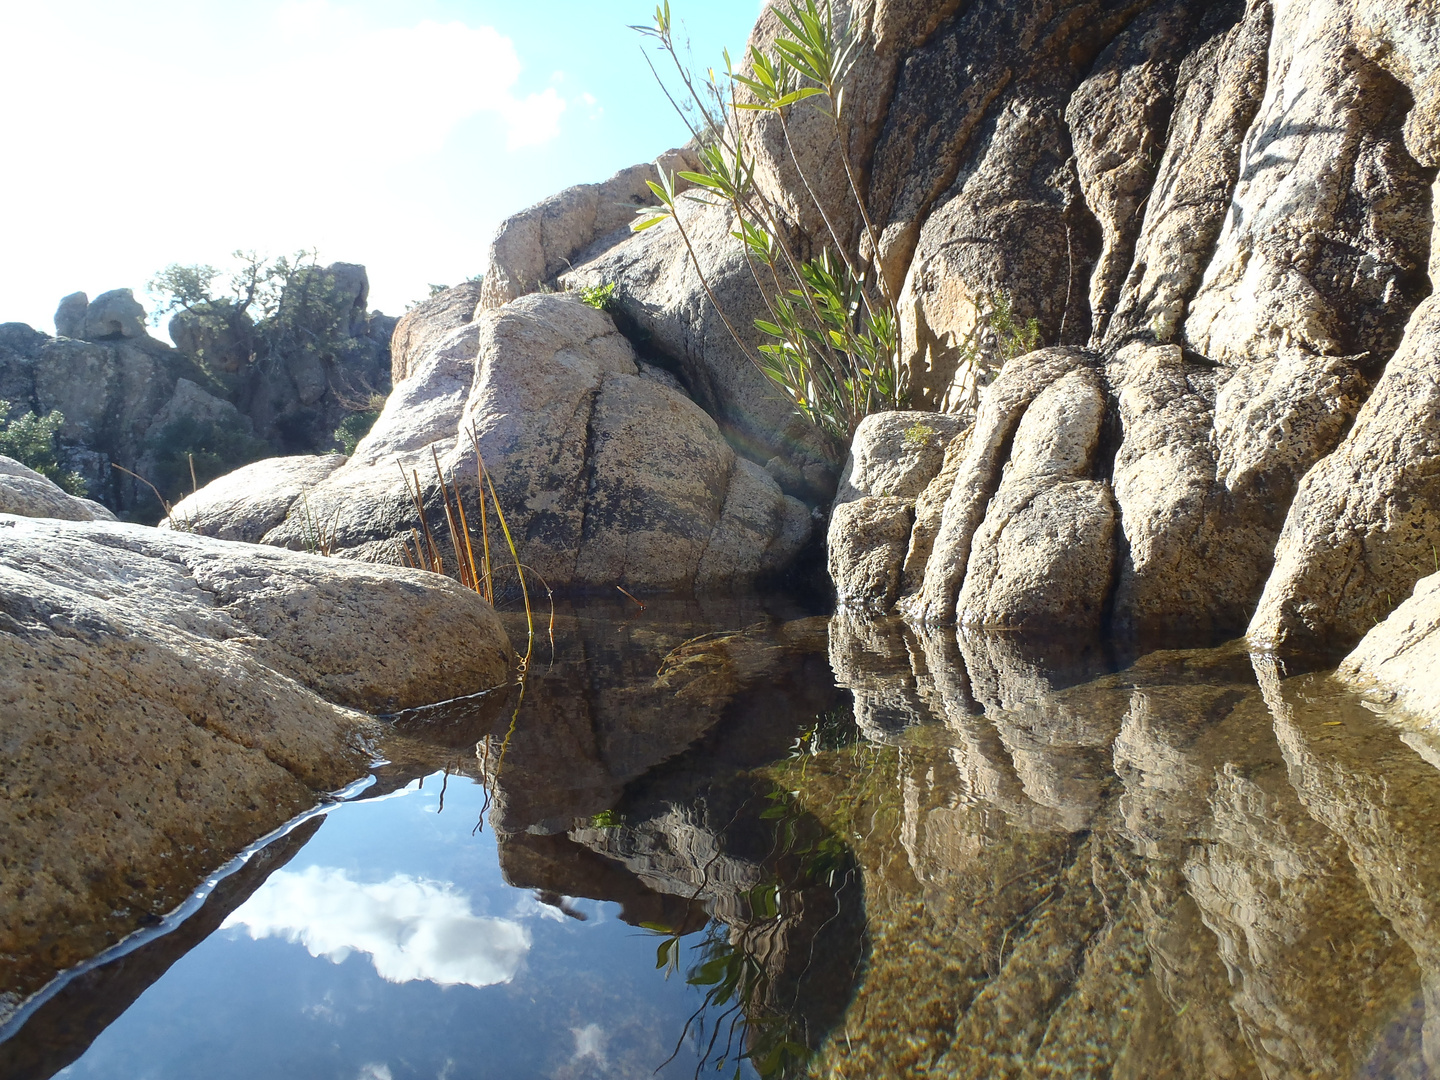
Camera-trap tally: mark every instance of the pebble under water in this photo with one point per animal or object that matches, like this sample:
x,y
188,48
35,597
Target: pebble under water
x,y
729,840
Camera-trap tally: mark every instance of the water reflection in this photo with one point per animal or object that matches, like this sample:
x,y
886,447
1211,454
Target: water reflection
x,y
409,927
742,838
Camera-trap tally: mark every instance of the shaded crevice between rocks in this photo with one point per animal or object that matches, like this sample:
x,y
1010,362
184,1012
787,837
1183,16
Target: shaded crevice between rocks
x,y
1202,72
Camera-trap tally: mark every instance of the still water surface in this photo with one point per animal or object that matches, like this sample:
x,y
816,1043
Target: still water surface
x,y
710,841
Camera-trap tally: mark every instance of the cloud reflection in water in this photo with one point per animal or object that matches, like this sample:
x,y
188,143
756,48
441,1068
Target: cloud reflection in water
x,y
411,928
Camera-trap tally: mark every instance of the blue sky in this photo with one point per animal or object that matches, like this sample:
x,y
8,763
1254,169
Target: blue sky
x,y
395,134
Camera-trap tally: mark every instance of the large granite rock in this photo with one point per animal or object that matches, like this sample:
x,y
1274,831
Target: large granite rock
x,y
246,504
894,457
25,493
534,246
606,474
112,315
420,328
168,699
661,300
1230,204
1400,657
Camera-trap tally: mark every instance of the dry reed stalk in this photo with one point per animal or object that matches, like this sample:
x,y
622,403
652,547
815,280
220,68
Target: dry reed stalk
x,y
450,520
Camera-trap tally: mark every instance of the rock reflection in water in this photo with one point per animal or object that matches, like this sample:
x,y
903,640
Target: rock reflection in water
x,y
642,790
876,850
1174,871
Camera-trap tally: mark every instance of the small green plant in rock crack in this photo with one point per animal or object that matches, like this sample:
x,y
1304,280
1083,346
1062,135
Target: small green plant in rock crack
x,y
834,347
599,297
918,436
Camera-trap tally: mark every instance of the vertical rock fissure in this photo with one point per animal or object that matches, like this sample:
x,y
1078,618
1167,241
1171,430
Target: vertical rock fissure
x,y
589,481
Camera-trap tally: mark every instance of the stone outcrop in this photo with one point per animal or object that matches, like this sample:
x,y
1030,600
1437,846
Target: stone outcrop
x,y
246,504
1221,215
133,401
607,475
25,493
421,327
117,398
661,299
1399,659
532,248
170,698
894,456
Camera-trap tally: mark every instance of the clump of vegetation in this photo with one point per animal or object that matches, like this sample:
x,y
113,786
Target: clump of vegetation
x,y
358,424
997,337
189,453
34,441
600,297
478,576
1014,338
268,308
833,347
918,436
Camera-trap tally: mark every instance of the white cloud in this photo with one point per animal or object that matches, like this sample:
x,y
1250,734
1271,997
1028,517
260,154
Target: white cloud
x,y
590,1042
343,83
375,1071
412,929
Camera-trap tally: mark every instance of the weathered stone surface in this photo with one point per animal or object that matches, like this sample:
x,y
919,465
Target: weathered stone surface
x,y
979,476
185,686
419,329
246,504
70,315
1218,90
659,292
867,542
606,476
1195,555
1326,245
1118,119
219,334
894,457
896,454
1364,524
112,315
1044,556
929,511
536,245
1401,656
25,493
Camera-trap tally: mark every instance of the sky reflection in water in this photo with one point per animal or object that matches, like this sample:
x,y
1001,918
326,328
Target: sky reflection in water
x,y
391,947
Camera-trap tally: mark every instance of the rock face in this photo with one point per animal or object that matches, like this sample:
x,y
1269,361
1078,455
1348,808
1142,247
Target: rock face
x,y
661,298
893,458
1401,656
534,246
1221,215
133,401
246,504
118,398
200,693
420,328
606,475
112,315
25,493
